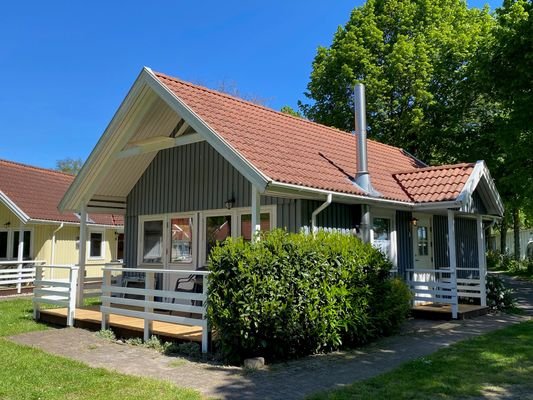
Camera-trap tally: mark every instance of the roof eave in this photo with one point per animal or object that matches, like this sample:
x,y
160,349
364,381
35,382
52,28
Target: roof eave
x,y
10,204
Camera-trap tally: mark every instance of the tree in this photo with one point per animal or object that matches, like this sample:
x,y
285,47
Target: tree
x,y
506,74
69,165
291,111
414,57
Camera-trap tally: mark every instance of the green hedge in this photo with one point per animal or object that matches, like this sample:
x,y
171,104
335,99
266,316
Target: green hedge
x,y
290,295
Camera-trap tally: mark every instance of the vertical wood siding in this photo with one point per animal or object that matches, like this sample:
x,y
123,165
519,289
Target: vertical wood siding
x,y
335,216
404,241
440,241
194,178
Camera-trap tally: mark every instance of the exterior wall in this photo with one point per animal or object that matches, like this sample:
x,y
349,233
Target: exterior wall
x,y
404,241
194,178
465,242
335,216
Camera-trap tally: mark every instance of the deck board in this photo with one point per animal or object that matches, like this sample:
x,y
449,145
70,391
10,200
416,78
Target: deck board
x,y
92,315
444,311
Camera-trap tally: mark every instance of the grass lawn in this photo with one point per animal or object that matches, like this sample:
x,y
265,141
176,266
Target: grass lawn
x,y
502,358
29,373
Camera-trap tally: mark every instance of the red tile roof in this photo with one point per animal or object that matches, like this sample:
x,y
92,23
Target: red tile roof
x,y
431,184
37,192
297,151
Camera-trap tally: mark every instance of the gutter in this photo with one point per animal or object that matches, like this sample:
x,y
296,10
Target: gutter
x,y
321,208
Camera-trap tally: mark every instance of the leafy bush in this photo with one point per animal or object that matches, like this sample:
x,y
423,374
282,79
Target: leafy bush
x,y
498,296
106,334
494,260
188,349
289,295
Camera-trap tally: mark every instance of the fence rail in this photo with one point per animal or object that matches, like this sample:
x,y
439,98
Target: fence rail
x,y
58,292
152,302
444,286
17,273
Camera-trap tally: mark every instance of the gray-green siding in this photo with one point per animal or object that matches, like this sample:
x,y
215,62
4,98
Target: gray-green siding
x,y
404,241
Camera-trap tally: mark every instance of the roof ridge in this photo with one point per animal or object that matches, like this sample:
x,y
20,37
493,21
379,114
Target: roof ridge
x,y
434,168
265,108
28,166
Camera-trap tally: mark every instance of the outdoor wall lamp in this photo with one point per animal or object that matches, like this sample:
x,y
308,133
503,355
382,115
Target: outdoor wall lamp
x,y
230,203
7,224
414,221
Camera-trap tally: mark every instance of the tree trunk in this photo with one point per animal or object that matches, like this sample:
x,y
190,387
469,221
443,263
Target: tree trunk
x,y
503,235
516,233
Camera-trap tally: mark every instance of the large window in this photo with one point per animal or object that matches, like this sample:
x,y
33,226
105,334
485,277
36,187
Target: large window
x,y
3,244
246,225
217,229
381,231
152,242
9,244
27,243
181,240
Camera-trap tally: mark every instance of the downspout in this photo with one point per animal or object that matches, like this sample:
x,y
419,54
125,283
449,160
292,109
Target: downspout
x,y
53,256
322,207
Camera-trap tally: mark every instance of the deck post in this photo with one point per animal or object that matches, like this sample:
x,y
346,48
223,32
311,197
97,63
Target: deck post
x,y
482,261
82,254
256,213
38,278
148,285
71,311
20,257
453,262
205,322
106,292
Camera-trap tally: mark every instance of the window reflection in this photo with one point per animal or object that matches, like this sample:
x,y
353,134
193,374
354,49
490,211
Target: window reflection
x,y
181,234
217,230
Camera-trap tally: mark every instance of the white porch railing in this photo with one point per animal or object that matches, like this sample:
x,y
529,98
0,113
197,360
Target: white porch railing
x,y
57,292
16,273
443,286
141,302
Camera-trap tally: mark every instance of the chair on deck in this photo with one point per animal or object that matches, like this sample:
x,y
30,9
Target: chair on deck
x,y
190,284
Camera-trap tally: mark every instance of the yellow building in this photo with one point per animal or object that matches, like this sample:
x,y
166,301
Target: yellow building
x,y
28,204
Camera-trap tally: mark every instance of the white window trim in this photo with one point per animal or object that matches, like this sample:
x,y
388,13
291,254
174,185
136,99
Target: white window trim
x,y
214,213
264,209
11,238
140,238
102,246
391,215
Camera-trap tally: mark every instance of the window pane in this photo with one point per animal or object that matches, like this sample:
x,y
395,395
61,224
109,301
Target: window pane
x,y
120,246
423,242
3,244
217,229
26,250
246,225
152,241
96,244
181,234
381,229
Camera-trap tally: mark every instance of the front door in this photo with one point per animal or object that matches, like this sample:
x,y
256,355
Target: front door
x,y
422,241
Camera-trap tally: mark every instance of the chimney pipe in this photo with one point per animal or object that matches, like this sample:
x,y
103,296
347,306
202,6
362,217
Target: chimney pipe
x,y
362,178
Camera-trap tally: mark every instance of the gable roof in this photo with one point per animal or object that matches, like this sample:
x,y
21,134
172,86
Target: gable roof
x,y
276,152
34,193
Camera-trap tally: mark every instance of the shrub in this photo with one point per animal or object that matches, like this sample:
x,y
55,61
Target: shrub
x,y
498,296
494,260
106,334
289,295
188,349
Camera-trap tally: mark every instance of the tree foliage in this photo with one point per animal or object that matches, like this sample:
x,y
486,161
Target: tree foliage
x,y
69,165
414,57
291,111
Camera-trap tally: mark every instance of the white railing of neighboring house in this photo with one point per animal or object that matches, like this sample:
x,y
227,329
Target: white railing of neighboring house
x,y
17,273
443,286
140,302
57,292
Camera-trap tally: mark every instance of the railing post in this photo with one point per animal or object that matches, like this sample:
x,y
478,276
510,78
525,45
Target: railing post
x,y
453,263
482,261
106,292
205,321
20,258
71,312
82,255
148,285
37,285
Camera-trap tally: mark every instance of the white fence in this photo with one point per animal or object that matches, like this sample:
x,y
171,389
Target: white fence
x,y
443,286
57,292
18,273
151,304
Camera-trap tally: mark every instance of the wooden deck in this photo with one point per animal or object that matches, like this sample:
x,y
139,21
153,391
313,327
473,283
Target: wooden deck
x,y
444,311
91,318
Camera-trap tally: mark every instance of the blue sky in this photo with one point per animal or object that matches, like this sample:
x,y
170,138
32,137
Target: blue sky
x,y
66,66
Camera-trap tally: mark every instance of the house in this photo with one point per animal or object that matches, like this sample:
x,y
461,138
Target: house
x,y
188,166
32,229
526,242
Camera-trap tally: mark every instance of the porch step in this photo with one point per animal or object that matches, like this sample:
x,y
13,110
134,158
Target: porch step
x,y
444,311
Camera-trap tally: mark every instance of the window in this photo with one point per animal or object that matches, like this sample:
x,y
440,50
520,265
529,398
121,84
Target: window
x,y
3,244
96,240
381,238
181,240
120,246
152,242
423,241
217,229
246,225
27,242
